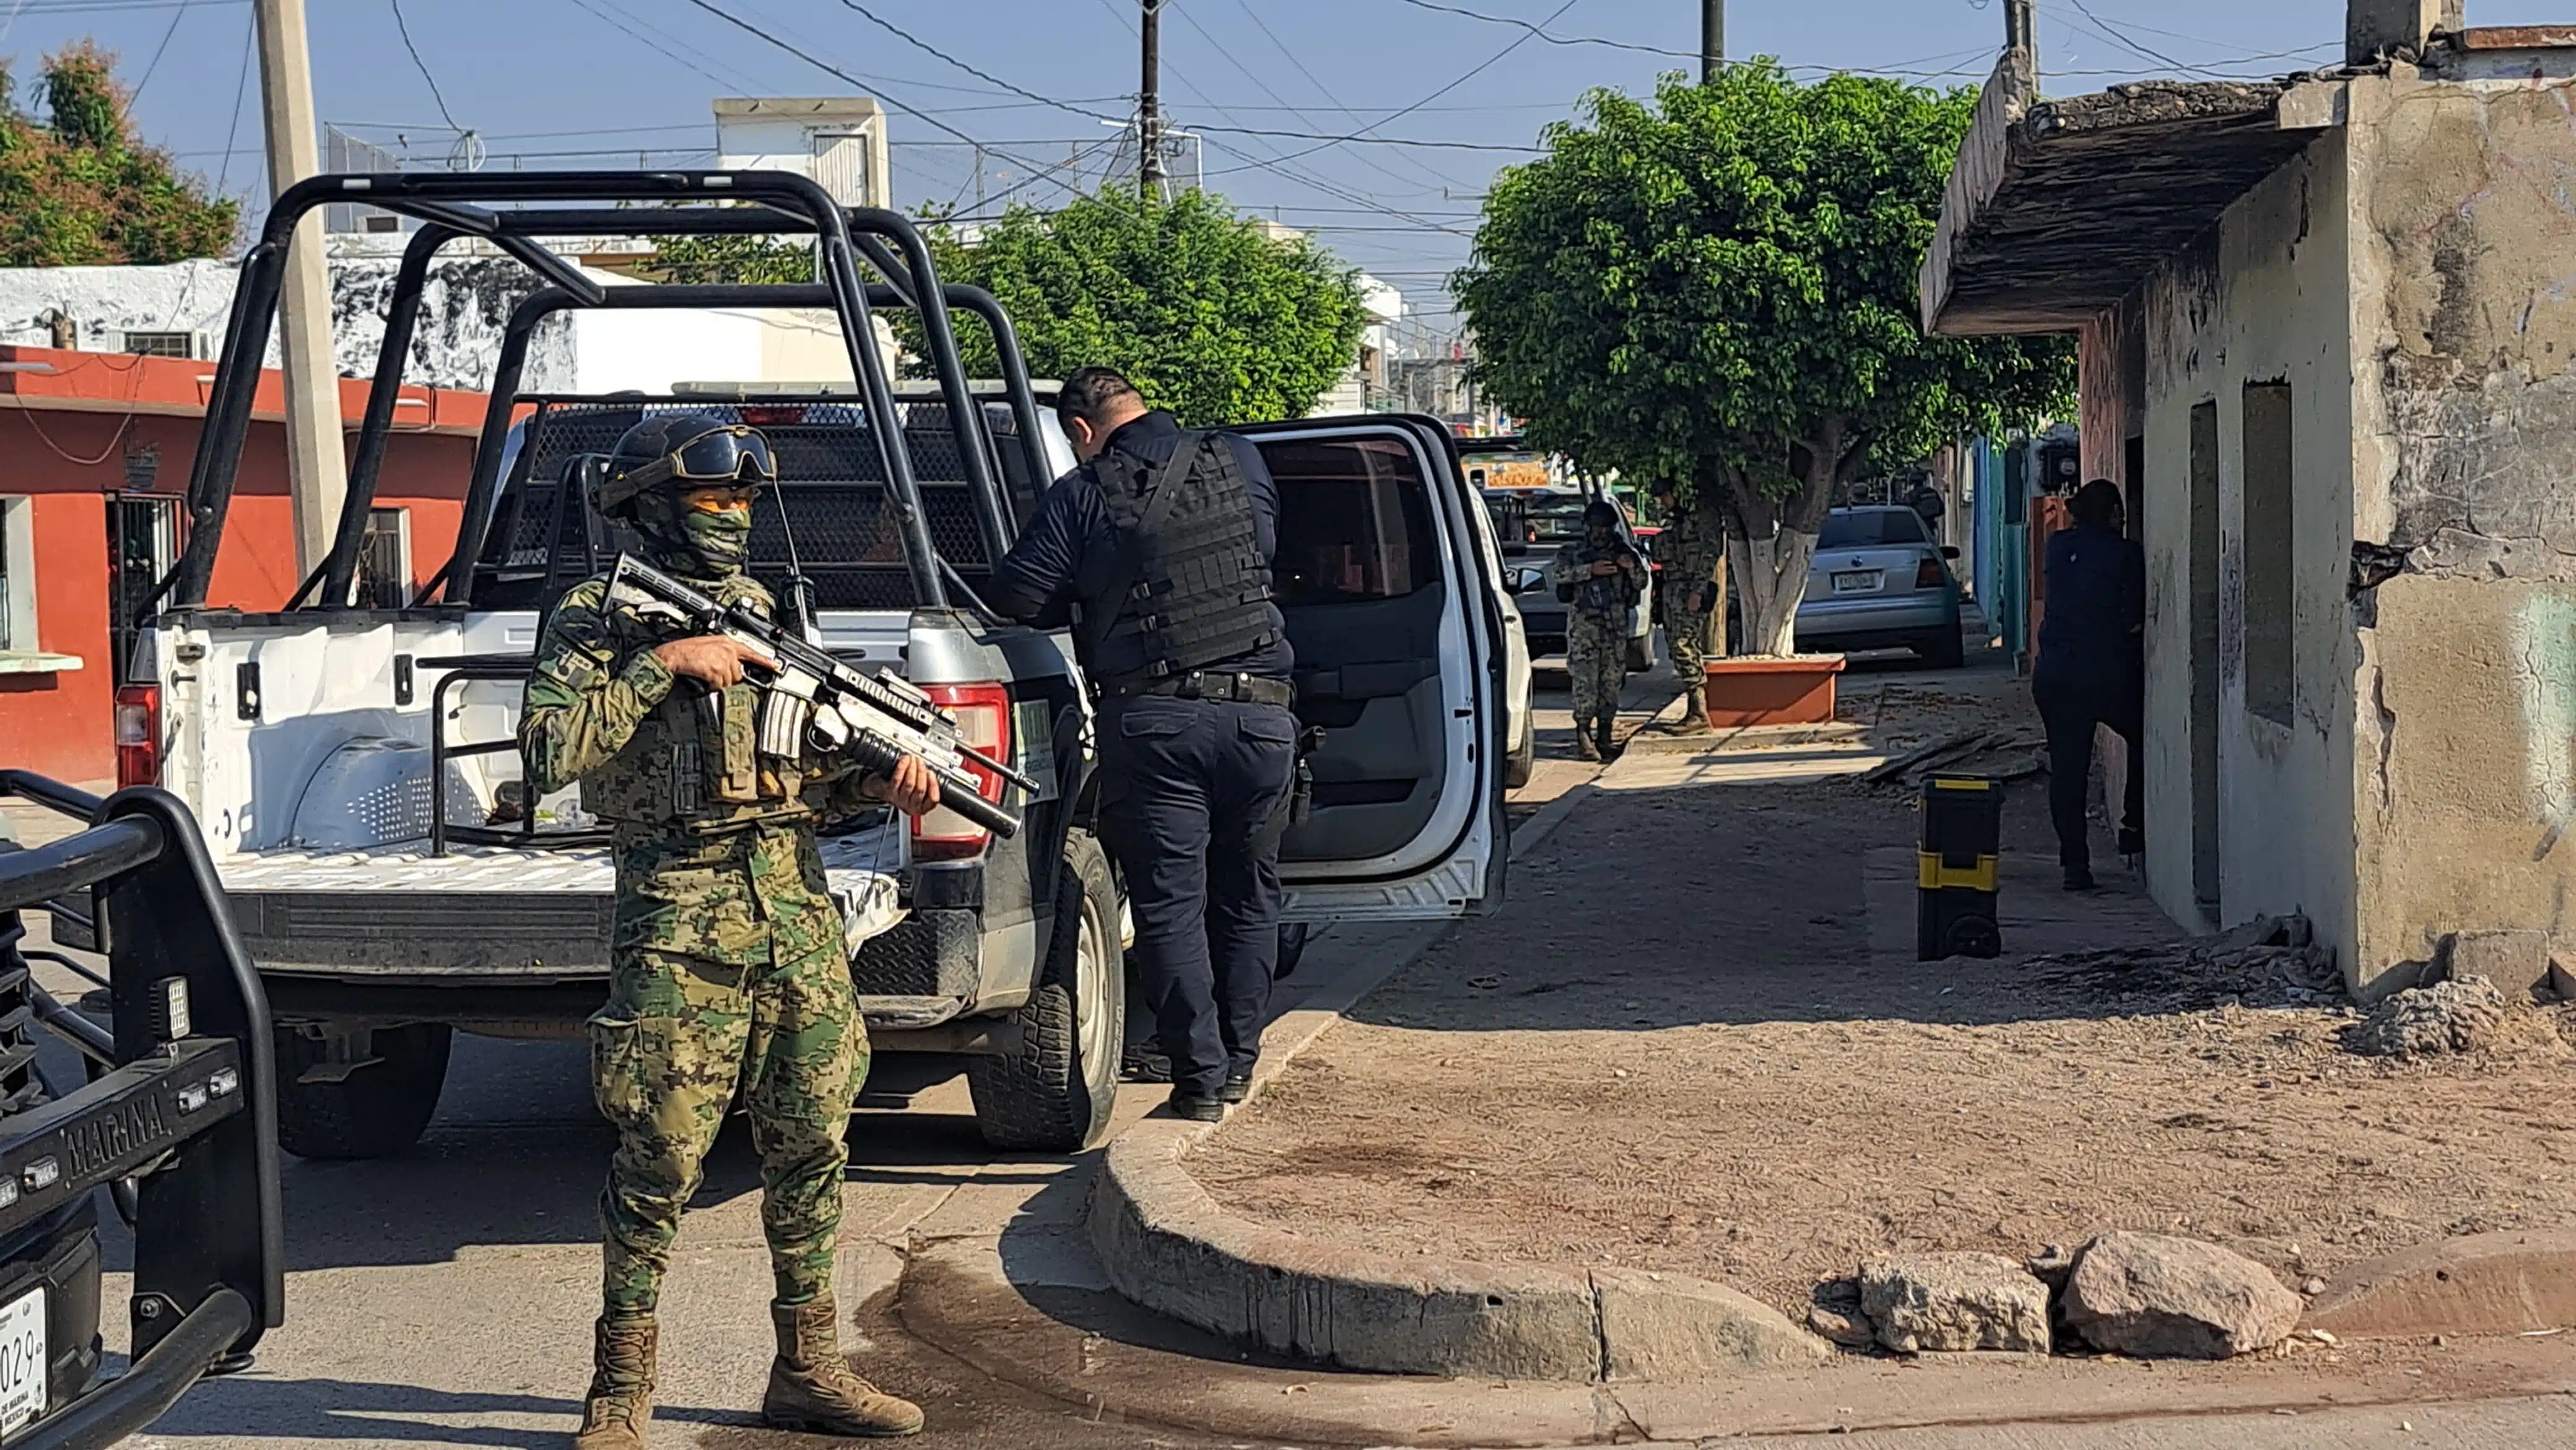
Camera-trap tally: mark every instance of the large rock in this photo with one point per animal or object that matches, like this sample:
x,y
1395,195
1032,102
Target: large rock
x,y
1932,1302
2168,1298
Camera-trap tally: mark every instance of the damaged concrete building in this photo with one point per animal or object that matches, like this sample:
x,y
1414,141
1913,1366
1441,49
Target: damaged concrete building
x,y
2328,350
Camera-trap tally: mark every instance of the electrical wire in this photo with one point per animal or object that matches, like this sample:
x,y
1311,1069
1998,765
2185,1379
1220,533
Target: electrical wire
x,y
830,69
1474,71
1320,88
422,65
157,52
241,88
666,51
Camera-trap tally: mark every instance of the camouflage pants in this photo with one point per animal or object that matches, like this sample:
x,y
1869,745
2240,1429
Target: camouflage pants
x,y
1690,636
1596,657
681,1039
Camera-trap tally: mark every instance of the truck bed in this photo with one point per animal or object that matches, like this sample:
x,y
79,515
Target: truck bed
x,y
511,915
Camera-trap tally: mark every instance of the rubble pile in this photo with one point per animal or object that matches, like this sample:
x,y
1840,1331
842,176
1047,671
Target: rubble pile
x,y
2008,754
2464,1014
2268,962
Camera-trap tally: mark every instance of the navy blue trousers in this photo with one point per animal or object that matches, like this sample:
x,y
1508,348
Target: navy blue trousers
x,y
1188,794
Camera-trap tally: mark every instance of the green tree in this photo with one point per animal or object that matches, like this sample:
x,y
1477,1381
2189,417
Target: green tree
x,y
79,188
1211,316
1720,288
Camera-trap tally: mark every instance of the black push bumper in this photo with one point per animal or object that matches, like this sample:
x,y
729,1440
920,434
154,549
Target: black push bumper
x,y
183,1103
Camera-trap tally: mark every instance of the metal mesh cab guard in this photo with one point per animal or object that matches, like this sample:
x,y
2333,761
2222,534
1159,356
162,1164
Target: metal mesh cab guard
x,y
181,1102
832,492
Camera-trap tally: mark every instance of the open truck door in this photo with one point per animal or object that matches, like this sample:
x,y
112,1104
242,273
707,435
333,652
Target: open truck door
x,y
1395,606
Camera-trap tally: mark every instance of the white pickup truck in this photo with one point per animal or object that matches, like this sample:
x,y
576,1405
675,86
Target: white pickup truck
x,y
354,772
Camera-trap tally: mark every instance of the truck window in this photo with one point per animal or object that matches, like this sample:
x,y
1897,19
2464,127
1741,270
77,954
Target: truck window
x,y
1354,521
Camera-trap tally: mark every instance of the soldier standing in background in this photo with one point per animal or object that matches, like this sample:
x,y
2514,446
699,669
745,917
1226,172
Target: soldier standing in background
x,y
1691,547
1601,578
728,966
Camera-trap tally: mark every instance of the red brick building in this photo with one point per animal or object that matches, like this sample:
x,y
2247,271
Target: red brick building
x,y
95,452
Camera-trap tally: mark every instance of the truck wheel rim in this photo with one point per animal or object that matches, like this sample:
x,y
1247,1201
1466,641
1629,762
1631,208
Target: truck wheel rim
x,y
1091,988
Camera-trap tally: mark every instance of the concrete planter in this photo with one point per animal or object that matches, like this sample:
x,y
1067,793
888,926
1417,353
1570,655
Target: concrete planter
x,y
1777,690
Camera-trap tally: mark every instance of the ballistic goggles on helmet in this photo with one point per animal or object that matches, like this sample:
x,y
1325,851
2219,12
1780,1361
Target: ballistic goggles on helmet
x,y
735,453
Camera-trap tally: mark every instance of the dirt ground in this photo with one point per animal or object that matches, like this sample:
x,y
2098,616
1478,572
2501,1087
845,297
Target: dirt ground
x,y
1671,1049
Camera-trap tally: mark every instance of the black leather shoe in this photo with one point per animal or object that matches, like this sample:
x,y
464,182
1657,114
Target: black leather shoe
x,y
2079,878
1238,1086
1197,1109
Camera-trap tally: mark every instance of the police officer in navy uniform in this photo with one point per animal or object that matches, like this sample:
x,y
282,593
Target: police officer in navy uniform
x,y
1157,552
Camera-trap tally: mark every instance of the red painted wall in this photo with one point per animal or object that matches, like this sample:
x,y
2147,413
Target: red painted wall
x,y
71,462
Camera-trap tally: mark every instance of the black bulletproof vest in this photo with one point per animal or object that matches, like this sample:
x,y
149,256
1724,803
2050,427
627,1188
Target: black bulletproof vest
x,y
1190,588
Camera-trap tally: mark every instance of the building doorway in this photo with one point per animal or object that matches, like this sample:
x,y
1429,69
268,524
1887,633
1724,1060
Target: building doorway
x,y
142,548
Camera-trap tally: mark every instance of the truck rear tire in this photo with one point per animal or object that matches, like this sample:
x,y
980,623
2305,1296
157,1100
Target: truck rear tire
x,y
1053,1092
377,1109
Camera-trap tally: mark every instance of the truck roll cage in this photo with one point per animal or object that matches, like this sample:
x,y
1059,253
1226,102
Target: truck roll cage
x,y
513,212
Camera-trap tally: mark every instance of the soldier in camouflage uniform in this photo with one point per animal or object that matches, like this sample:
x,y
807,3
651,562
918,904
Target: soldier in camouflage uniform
x,y
1691,546
729,971
1602,579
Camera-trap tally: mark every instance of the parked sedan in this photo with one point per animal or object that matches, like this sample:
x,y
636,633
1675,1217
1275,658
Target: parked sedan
x,y
1879,581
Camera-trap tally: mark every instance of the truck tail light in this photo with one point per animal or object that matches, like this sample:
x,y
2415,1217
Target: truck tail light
x,y
138,735
1927,575
983,721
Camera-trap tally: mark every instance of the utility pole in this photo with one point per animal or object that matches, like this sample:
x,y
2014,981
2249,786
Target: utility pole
x,y
1149,107
317,471
2021,29
1712,39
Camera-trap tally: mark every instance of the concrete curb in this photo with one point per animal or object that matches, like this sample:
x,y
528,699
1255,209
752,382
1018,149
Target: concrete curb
x,y
2513,1281
1168,1246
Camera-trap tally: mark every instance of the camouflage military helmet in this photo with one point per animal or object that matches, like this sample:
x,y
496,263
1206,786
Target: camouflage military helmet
x,y
681,451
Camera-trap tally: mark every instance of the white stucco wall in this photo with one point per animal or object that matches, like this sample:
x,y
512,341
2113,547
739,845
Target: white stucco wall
x,y
457,342
2266,299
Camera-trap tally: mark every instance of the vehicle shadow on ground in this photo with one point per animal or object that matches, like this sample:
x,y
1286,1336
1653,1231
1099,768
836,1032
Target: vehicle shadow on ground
x,y
289,1411
517,1154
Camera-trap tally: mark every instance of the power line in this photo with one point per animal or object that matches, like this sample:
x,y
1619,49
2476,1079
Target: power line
x,y
1536,33
241,88
926,48
1316,81
423,65
658,46
157,52
1473,72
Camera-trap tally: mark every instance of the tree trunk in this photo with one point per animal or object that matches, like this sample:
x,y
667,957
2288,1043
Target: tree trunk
x,y
1771,578
1770,541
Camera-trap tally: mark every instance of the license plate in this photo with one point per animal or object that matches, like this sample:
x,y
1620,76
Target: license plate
x,y
22,1360
1858,581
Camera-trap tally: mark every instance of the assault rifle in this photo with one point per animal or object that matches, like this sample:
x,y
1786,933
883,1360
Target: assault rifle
x,y
813,699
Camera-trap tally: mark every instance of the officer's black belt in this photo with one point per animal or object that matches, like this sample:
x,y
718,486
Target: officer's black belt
x,y
1213,685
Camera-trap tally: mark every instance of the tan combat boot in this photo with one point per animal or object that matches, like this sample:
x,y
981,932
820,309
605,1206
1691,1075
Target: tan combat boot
x,y
1694,719
811,1387
1585,746
619,1407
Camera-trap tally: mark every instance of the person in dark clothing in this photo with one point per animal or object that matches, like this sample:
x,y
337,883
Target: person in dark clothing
x,y
1157,551
2092,669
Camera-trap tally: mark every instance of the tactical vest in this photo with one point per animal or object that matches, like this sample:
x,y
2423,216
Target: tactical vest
x,y
1190,588
692,764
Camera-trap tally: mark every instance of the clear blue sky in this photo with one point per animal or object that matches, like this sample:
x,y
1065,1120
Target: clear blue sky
x,y
542,77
